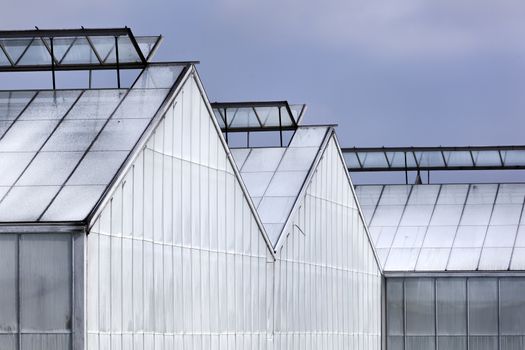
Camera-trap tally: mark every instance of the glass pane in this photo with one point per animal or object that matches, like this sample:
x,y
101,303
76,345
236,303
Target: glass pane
x,y
506,214
60,46
26,203
483,306
453,194
50,168
387,215
242,117
74,135
483,343
126,52
423,194
257,183
386,236
120,134
50,105
511,194
12,165
141,104
286,183
440,236
513,158
417,215
263,160
298,159
458,158
45,282
96,104
158,76
470,236
482,194
12,103
451,306
409,237
476,214
275,210
501,236
27,136
394,306
309,136
512,301
146,44
269,116
430,159
351,160
495,259
73,203
97,168
368,195
452,343
418,343
15,47
419,301
401,259
36,54
395,195
103,45
373,159
433,259
487,158
45,341
464,259
448,214
8,283
80,53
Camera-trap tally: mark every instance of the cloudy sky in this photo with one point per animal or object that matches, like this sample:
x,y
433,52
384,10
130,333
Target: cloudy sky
x,y
402,72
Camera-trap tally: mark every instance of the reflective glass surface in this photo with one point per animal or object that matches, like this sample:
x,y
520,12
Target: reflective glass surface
x,y
57,147
275,176
450,227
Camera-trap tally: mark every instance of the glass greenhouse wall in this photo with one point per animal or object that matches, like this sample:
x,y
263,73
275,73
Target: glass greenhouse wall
x,y
176,259
40,291
327,279
455,313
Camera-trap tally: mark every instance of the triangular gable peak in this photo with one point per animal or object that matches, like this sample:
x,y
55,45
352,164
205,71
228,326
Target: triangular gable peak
x,y
181,172
329,182
275,176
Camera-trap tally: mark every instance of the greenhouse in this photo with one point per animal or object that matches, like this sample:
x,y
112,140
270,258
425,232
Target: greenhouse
x,y
136,214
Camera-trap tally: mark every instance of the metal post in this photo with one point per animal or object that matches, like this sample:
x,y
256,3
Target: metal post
x,y
52,63
90,78
248,139
118,63
406,170
226,124
280,128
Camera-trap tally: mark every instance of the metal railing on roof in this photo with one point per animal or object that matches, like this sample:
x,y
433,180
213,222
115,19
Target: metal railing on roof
x,y
246,117
434,158
75,49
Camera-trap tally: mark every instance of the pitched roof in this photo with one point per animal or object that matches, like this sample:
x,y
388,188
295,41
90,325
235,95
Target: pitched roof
x,y
274,176
454,227
60,149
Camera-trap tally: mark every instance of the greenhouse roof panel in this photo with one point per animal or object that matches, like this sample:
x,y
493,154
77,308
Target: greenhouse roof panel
x,y
60,149
446,227
274,176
